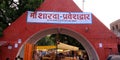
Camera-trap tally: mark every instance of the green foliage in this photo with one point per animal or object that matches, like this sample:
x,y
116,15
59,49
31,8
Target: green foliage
x,y
1,34
46,41
11,10
51,40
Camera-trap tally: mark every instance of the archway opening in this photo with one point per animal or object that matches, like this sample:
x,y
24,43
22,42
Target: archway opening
x,y
92,55
60,47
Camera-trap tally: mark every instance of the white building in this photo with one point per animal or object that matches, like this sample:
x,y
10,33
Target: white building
x,y
115,27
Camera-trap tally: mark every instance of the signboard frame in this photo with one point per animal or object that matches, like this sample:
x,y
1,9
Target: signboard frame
x,y
59,17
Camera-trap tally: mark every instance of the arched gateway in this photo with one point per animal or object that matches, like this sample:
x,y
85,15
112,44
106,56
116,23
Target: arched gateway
x,y
90,49
97,40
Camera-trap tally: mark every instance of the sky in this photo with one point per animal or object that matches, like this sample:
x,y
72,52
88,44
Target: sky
x,y
106,11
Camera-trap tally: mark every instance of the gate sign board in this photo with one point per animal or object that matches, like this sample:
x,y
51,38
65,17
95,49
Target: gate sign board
x,y
59,17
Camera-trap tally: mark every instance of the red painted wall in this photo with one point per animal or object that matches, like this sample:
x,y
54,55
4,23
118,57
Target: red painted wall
x,y
21,29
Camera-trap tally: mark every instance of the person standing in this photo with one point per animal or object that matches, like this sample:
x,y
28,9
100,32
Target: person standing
x,y
7,58
18,58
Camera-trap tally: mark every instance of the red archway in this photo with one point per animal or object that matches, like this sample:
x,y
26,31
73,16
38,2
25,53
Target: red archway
x,y
88,46
91,36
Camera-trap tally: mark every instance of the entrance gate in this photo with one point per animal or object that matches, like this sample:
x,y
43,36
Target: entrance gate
x,y
94,37
87,45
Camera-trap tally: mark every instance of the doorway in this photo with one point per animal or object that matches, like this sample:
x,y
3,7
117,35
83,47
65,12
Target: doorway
x,y
61,46
92,55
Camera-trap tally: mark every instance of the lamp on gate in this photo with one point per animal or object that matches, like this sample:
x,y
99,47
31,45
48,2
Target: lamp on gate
x,y
100,45
16,45
9,46
19,41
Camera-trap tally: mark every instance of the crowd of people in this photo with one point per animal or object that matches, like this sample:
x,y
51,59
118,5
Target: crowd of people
x,y
54,55
39,55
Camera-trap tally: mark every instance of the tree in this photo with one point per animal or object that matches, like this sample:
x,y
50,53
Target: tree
x,y
51,40
10,10
47,40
